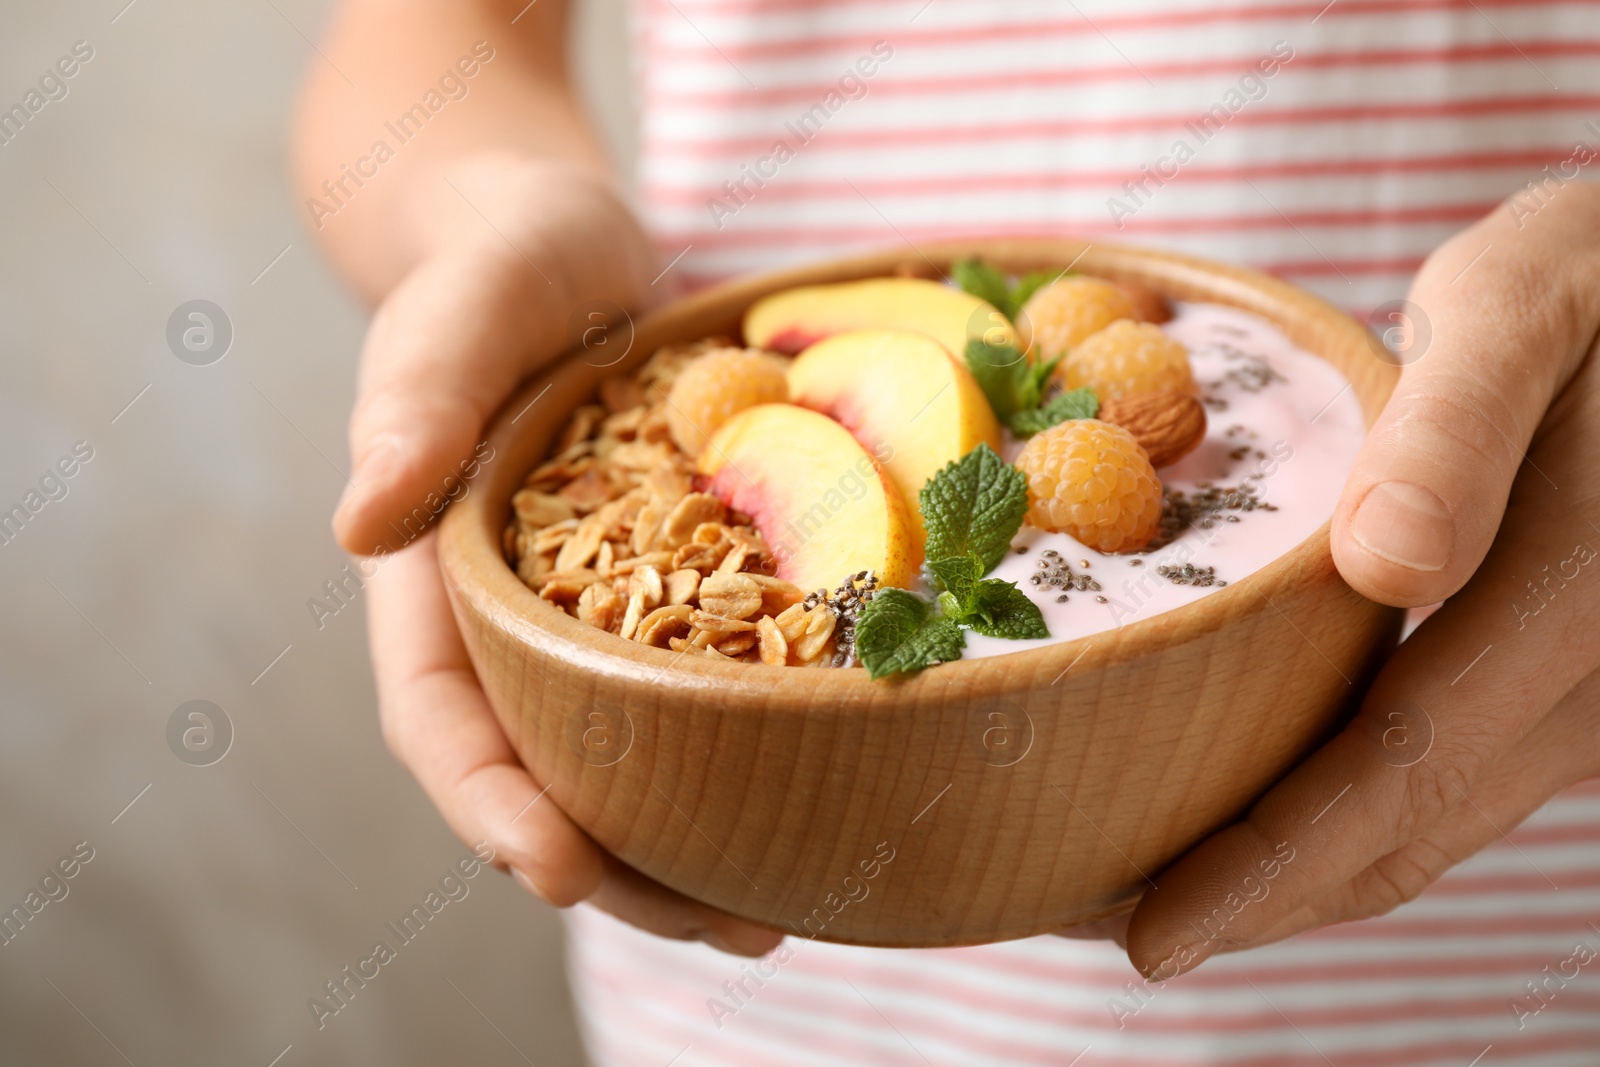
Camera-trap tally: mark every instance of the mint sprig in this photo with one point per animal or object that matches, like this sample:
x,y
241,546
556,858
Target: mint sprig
x,y
1008,378
987,282
1073,404
971,509
984,282
1015,388
1029,284
989,605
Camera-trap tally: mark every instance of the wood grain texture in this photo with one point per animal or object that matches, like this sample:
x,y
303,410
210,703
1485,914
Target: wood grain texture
x,y
1016,794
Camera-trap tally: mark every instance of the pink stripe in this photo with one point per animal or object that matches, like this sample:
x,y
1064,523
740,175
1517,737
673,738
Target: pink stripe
x,y
1400,269
663,147
1532,882
913,35
1390,928
1102,226
1225,975
1579,833
1176,17
660,194
1209,1018
744,97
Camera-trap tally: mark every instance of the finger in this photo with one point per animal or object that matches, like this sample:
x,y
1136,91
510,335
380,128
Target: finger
x,y
1476,676
647,904
1562,750
1510,326
439,725
455,336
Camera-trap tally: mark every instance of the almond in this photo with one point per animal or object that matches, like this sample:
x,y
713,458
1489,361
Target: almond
x,y
1168,425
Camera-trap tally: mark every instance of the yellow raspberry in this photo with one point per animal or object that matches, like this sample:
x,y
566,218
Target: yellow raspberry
x,y
1091,479
1066,311
1128,357
715,387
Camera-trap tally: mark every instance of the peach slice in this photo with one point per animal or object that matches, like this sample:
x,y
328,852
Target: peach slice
x,y
906,399
795,319
819,500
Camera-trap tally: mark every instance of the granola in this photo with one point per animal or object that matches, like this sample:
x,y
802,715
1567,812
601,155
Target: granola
x,y
612,530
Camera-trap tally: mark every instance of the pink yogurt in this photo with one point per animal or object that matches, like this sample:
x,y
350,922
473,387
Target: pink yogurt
x,y
1302,427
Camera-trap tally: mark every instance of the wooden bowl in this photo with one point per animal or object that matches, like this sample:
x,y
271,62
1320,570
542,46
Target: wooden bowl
x,y
979,801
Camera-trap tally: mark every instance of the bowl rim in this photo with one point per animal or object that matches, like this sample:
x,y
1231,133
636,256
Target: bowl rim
x,y
472,559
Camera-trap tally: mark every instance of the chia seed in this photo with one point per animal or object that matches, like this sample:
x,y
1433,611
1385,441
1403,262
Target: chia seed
x,y
1253,373
1189,574
846,602
1208,505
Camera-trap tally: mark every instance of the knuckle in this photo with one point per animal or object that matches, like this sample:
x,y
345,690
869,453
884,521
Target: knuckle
x,y
1463,418
1432,789
1390,882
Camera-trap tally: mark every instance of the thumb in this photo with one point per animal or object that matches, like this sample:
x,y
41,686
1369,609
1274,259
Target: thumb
x,y
455,336
1492,342
443,350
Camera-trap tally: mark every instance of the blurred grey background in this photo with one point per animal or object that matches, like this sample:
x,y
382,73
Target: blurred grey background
x,y
177,567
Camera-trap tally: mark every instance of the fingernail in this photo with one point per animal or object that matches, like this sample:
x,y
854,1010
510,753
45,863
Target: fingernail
x,y
1405,524
750,942
716,941
527,883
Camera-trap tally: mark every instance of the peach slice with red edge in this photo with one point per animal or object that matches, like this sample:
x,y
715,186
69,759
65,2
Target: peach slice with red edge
x,y
795,319
821,501
903,396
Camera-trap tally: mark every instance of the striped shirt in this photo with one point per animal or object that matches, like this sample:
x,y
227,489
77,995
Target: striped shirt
x,y
1334,144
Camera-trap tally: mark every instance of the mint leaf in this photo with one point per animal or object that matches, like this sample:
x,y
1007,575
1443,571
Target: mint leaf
x,y
1000,609
984,282
974,507
1002,372
956,575
1039,379
1075,404
989,283
1029,284
898,633
1013,386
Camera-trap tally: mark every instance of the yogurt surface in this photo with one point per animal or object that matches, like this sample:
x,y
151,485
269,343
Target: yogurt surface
x,y
1281,423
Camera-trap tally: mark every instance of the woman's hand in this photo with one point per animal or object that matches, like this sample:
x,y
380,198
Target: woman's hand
x,y
1478,483
530,243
